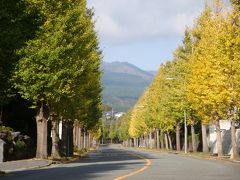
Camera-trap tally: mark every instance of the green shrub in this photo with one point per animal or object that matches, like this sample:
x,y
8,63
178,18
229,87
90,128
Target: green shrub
x,y
81,151
5,129
7,133
20,145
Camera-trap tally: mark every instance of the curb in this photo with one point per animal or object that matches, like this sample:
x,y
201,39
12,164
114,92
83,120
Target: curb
x,y
207,158
179,153
4,172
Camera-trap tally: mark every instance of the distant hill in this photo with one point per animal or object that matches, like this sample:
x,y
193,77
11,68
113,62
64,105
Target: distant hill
x,y
153,72
123,83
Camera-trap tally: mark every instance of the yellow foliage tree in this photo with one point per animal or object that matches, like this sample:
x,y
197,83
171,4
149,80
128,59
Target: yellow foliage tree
x,y
214,79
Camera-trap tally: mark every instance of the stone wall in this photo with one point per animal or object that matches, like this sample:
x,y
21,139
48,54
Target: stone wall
x,y
2,150
225,126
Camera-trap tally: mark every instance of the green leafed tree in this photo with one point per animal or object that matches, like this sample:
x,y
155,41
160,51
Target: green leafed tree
x,y
123,126
55,66
18,24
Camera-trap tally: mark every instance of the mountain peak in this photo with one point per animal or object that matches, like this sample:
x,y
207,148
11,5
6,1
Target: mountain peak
x,y
123,84
126,68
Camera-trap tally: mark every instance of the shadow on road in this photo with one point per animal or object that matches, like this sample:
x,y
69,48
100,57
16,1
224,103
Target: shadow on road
x,y
93,171
107,154
106,163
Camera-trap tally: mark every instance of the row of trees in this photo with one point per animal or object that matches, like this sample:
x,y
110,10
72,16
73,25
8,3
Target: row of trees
x,y
203,79
50,56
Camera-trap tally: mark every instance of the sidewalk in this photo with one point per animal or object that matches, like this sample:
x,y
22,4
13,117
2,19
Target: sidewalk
x,y
21,165
199,155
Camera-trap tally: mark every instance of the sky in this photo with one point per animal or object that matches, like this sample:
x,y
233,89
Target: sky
x,y
143,32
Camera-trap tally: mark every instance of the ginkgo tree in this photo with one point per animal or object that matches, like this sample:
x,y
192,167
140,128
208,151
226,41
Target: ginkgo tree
x,y
228,48
138,125
55,64
213,86
19,24
158,104
203,79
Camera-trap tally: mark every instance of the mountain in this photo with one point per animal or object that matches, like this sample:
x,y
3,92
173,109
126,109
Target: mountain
x,y
126,68
123,83
154,73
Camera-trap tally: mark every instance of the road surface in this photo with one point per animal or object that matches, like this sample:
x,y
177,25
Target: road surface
x,y
115,163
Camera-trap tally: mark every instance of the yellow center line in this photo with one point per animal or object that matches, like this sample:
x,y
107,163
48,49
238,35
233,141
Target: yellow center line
x,y
146,166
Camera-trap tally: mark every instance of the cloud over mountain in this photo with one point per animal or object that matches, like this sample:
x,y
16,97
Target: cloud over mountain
x,y
120,21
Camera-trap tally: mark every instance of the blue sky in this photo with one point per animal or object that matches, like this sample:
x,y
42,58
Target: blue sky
x,y
143,32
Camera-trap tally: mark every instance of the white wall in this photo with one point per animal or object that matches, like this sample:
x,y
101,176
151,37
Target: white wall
x,y
225,126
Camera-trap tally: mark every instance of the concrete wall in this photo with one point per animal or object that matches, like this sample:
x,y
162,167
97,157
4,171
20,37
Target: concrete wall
x,y
225,126
2,150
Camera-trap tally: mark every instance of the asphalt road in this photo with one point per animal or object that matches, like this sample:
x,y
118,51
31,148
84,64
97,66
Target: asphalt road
x,y
115,163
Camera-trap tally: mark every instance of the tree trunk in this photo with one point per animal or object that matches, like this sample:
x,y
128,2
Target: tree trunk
x,y
150,140
1,115
145,141
194,146
148,144
161,140
204,138
55,138
74,135
219,139
235,153
41,121
135,142
89,140
166,141
170,141
141,141
79,135
178,145
157,139
84,139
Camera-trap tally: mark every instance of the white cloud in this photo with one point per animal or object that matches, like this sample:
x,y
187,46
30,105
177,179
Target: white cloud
x,y
121,21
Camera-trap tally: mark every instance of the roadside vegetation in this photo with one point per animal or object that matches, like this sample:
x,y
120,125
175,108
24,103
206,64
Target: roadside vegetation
x,y
50,56
202,80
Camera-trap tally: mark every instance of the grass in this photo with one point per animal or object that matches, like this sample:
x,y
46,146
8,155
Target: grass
x,y
199,155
